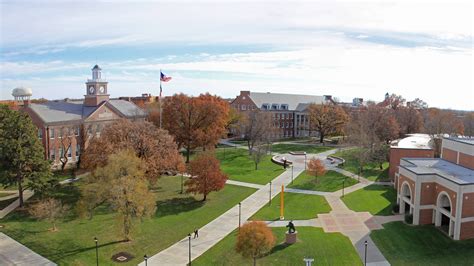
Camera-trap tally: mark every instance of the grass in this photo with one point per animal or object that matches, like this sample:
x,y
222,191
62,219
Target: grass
x,y
371,171
176,216
286,148
325,248
331,181
240,167
296,207
4,194
376,199
402,244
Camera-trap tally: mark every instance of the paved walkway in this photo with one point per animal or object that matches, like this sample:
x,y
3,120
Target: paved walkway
x,y
244,184
14,253
5,211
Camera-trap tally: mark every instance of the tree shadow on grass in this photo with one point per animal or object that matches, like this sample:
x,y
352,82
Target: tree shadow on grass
x,y
389,194
177,205
278,248
68,248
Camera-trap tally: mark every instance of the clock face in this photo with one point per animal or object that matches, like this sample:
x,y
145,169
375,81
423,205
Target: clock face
x,y
91,90
101,89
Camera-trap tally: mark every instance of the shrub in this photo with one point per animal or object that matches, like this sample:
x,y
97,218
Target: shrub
x,y
409,218
396,208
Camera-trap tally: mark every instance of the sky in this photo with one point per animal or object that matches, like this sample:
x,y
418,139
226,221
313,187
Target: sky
x,y
347,49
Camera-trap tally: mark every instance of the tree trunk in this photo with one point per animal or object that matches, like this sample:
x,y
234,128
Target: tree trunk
x,y
256,166
54,227
321,137
254,261
205,196
188,151
20,191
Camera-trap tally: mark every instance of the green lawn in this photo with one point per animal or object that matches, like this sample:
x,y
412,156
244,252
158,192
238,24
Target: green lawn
x,y
177,215
240,167
325,248
371,171
286,148
376,199
331,181
402,244
296,207
4,194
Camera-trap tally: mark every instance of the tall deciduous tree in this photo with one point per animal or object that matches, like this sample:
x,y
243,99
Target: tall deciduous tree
x,y
438,122
206,175
257,128
50,210
122,184
327,119
468,121
152,145
254,240
65,145
316,168
410,120
22,161
195,121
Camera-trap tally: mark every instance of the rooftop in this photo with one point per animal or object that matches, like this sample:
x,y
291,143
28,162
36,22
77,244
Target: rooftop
x,y
440,167
414,141
466,140
260,98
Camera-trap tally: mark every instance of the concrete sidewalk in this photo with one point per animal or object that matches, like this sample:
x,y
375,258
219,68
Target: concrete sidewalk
x,y
14,253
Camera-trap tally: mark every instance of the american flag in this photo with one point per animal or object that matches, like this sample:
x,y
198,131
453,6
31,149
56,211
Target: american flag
x,y
164,78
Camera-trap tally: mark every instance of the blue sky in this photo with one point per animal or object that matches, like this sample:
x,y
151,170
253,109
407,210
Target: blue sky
x,y
346,49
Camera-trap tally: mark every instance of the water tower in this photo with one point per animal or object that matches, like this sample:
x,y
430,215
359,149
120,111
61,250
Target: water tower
x,y
22,95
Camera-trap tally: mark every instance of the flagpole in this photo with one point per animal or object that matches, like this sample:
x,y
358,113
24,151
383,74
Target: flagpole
x,y
160,99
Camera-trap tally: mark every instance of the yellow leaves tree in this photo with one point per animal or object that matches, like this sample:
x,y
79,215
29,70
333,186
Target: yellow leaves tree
x,y
50,210
327,119
255,239
122,184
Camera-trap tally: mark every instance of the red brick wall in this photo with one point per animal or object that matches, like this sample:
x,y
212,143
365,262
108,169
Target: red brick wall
x,y
466,160
397,153
467,230
426,216
428,194
450,155
244,100
468,205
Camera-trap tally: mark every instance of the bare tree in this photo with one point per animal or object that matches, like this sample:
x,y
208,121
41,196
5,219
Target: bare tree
x,y
257,128
258,152
65,143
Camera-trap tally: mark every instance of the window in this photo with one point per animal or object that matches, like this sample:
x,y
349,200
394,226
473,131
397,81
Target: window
x,y
275,106
51,133
52,154
69,153
287,124
89,130
291,115
60,134
244,107
40,133
61,152
265,106
77,131
78,150
284,107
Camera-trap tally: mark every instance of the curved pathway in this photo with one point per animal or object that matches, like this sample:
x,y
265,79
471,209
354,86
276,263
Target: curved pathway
x,y
355,225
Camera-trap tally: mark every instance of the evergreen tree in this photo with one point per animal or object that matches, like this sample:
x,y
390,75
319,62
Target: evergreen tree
x,y
22,160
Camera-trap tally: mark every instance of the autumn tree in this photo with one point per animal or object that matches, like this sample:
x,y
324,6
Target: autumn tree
x,y
327,119
255,239
154,146
410,120
22,159
195,121
257,128
468,121
65,145
120,185
418,104
393,101
206,175
316,168
438,122
49,209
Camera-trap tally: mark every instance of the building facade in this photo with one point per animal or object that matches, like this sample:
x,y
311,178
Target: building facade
x,y
66,127
440,191
289,111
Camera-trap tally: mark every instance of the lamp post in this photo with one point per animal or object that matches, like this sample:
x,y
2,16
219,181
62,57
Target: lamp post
x,y
365,253
96,250
240,205
305,161
270,195
292,173
146,260
189,240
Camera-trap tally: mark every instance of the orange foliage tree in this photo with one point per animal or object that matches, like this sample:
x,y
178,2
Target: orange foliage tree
x,y
195,121
316,168
206,175
152,145
255,239
327,119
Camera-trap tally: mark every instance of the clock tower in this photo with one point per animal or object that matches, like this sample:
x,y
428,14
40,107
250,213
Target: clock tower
x,y
96,88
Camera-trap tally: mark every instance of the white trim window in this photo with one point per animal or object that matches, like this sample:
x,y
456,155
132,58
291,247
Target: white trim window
x,y
51,133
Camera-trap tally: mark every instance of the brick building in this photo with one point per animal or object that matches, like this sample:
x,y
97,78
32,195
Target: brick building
x,y
63,124
440,191
289,111
413,146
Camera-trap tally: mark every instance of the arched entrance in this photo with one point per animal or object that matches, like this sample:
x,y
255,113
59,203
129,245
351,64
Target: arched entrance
x,y
444,219
405,199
